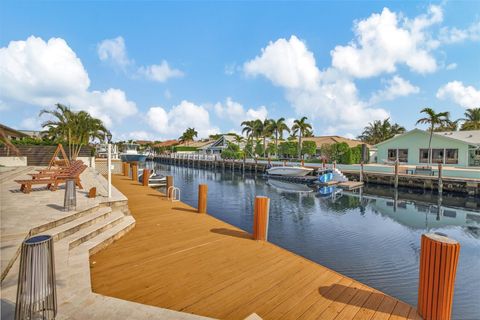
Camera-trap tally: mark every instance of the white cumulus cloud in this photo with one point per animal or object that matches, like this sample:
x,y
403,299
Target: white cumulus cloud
x,y
382,41
160,72
38,72
287,63
326,96
174,122
456,91
114,51
455,35
395,87
236,113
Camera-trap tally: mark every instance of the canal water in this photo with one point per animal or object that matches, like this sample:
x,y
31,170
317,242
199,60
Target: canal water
x,y
372,236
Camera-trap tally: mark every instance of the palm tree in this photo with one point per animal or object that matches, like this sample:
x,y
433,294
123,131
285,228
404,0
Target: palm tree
x,y
75,128
300,128
266,131
238,139
434,120
472,119
379,131
188,135
278,127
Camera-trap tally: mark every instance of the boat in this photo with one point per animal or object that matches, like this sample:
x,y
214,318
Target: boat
x,y
131,154
155,179
289,171
289,187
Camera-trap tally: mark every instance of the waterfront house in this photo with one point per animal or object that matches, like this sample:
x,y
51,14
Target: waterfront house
x,y
328,140
217,146
454,148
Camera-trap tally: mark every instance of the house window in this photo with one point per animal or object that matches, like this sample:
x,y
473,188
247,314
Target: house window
x,y
423,156
451,156
403,155
392,154
437,155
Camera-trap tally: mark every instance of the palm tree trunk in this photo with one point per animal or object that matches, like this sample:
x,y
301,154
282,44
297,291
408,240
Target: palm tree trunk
x,y
276,144
299,145
264,147
430,146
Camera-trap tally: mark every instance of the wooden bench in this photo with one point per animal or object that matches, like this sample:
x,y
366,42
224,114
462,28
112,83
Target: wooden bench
x,y
426,171
53,181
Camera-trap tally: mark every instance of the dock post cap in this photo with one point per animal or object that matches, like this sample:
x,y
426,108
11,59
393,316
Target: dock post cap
x,y
440,237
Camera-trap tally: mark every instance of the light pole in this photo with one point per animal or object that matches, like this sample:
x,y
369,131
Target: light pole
x,y
109,164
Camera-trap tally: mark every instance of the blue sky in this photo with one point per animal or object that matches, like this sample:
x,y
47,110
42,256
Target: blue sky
x,y
150,69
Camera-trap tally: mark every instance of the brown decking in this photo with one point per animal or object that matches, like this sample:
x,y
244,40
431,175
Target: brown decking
x,y
175,258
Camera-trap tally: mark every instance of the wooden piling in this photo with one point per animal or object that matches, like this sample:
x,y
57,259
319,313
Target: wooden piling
x,y
396,174
440,178
126,168
361,171
202,198
302,163
438,266
145,177
169,184
134,172
260,218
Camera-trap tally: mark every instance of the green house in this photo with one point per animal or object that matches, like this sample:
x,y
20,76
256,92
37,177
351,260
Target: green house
x,y
455,148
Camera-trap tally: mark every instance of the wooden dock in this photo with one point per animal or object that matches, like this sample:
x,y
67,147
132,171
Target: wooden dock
x,y
178,259
350,185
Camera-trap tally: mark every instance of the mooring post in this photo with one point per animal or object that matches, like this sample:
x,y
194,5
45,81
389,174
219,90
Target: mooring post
x,y
284,163
269,162
169,184
334,165
396,174
361,171
125,168
440,179
260,218
134,172
302,163
202,198
145,177
438,266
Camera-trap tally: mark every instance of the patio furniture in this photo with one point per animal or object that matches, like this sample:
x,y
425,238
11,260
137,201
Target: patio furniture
x,y
425,171
54,180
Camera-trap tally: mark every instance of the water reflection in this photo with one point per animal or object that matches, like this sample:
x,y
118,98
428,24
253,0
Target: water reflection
x,y
372,234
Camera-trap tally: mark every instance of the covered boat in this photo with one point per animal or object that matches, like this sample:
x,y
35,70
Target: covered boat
x,y
289,171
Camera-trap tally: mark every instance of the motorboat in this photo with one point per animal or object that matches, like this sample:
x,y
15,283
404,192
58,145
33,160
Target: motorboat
x,y
289,187
155,179
289,171
131,153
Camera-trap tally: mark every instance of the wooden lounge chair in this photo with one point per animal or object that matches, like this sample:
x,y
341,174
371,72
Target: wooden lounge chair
x,y
53,181
47,173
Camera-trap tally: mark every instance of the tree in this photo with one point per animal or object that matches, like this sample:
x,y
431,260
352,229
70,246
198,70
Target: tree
x,y
472,119
288,148
238,140
450,125
75,128
278,127
232,152
434,120
309,147
379,131
266,131
188,135
300,128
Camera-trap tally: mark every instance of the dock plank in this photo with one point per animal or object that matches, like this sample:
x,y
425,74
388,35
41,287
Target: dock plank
x,y
175,258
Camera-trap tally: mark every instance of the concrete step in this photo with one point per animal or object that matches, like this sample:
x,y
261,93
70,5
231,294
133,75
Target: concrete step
x,y
94,230
107,237
69,228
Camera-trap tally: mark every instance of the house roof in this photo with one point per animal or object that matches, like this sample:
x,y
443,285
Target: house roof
x,y
167,143
143,142
197,144
471,137
320,140
13,132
